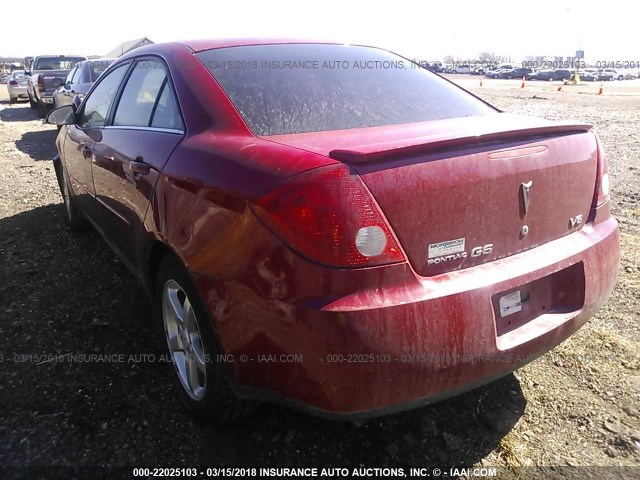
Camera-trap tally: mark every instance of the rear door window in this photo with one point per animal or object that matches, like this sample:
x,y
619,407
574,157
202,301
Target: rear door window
x,y
147,99
166,113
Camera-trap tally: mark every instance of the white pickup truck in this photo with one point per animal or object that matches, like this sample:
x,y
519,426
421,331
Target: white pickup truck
x,y
45,74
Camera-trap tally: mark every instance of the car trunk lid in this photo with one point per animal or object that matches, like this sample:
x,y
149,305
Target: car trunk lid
x,y
461,192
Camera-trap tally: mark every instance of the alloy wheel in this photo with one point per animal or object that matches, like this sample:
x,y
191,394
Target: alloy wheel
x,y
184,339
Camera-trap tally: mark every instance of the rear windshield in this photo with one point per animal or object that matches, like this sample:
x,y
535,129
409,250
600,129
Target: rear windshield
x,y
283,89
57,63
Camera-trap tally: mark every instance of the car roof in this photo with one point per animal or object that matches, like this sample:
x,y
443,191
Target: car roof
x,y
208,44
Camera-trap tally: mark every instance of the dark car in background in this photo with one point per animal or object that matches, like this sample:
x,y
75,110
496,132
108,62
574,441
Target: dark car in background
x,y
351,242
495,73
515,73
551,75
80,79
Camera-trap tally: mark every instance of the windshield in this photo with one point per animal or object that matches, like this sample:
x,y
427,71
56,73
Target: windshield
x,y
283,89
57,63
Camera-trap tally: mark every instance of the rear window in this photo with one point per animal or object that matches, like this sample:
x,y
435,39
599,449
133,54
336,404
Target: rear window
x,y
284,89
57,63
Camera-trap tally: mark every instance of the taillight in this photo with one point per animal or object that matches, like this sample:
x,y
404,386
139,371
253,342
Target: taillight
x,y
602,177
13,83
328,216
41,83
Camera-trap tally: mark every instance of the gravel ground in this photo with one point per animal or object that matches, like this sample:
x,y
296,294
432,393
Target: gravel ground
x,y
67,294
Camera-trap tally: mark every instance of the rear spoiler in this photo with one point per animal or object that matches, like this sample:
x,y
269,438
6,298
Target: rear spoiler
x,y
454,139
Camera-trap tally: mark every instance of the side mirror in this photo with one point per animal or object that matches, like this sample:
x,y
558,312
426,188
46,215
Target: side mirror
x,y
65,115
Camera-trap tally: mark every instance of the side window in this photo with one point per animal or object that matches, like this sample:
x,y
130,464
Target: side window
x,y
140,95
166,113
70,76
76,75
96,106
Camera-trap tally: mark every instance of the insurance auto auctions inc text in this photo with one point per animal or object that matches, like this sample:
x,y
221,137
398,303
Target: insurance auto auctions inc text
x,y
370,472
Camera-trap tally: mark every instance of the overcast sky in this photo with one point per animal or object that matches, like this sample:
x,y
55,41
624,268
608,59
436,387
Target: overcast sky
x,y
428,30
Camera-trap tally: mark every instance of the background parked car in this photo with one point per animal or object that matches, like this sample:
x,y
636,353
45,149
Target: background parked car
x,y
516,73
495,73
606,74
17,85
588,75
79,80
461,68
551,75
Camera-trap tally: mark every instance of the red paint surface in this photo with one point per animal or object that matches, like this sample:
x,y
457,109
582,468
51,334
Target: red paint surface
x,y
405,331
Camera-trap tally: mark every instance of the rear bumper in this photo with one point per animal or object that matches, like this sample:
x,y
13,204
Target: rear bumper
x,y
357,344
16,92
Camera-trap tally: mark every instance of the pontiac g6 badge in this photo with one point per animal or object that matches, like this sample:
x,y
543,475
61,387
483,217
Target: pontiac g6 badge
x,y
525,188
454,250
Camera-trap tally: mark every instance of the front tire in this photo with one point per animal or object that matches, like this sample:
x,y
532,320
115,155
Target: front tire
x,y
200,375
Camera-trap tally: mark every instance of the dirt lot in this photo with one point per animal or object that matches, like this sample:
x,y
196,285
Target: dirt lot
x,y
63,293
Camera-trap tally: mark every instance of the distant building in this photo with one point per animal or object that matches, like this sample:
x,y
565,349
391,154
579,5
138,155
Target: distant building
x,y
128,46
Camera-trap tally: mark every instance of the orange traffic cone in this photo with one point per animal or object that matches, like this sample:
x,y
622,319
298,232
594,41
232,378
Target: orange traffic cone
x,y
481,80
560,88
600,90
522,86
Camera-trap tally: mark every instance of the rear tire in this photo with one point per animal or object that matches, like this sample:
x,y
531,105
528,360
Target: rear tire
x,y
32,103
13,99
73,217
201,379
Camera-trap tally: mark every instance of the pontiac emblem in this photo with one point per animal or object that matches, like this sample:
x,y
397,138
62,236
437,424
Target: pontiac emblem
x,y
525,188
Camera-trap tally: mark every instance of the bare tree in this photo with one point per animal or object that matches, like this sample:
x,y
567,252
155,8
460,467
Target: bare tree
x,y
490,57
448,59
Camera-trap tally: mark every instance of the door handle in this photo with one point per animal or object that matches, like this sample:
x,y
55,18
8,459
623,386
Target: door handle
x,y
139,167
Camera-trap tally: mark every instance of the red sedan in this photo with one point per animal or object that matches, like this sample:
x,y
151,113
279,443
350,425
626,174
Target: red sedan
x,y
333,227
